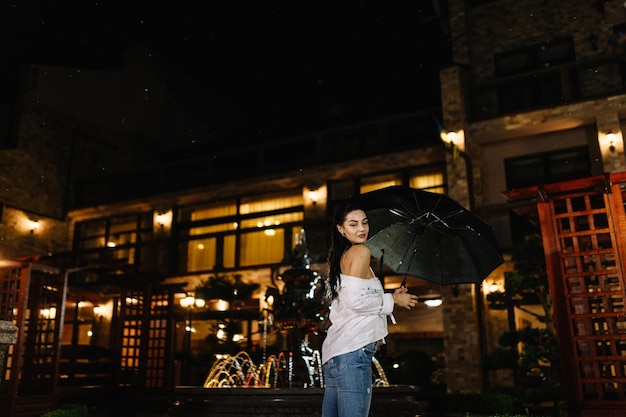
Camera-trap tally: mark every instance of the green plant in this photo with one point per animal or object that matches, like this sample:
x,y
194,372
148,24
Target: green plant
x,y
483,404
68,410
536,365
221,287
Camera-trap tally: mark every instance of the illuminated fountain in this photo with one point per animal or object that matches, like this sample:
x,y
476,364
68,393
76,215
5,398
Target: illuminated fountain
x,y
240,371
290,382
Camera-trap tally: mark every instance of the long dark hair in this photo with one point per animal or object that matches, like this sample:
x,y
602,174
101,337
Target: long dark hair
x,y
338,245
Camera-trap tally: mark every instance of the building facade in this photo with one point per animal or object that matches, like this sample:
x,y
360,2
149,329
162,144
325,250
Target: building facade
x,y
534,96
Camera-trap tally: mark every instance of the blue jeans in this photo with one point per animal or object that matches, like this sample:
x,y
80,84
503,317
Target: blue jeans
x,y
348,381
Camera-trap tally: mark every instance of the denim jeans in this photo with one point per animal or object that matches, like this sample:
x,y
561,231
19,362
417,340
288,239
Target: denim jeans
x,y
348,381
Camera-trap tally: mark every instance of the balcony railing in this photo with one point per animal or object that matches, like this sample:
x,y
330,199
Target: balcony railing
x,y
547,87
391,134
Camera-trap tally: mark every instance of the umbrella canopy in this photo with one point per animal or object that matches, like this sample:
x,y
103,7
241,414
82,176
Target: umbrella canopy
x,y
429,236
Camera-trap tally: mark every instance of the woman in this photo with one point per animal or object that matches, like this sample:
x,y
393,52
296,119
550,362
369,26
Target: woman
x,y
358,316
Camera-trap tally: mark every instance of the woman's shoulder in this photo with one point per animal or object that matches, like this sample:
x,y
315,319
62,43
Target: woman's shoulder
x,y
357,262
360,250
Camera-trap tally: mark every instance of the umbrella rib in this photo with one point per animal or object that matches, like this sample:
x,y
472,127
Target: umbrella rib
x,y
438,219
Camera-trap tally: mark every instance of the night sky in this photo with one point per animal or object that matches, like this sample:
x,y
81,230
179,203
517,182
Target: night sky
x,y
280,68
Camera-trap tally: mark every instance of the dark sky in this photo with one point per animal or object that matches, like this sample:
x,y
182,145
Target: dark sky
x,y
282,68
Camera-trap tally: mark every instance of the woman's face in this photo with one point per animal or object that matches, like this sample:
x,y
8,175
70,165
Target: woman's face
x,y
355,227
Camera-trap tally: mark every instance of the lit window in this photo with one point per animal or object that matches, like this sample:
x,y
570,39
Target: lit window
x,y
201,254
264,204
214,212
430,181
378,182
271,221
261,248
259,226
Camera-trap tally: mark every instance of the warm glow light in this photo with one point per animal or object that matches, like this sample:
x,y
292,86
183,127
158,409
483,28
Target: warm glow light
x,y
190,301
49,313
104,311
163,219
456,138
267,222
269,232
433,302
492,287
187,301
222,305
611,138
160,219
451,137
313,196
34,225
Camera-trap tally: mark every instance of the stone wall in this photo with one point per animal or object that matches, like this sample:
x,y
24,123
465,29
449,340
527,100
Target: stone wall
x,y
506,25
8,336
478,34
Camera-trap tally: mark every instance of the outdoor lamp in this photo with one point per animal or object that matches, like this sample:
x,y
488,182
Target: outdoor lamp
x,y
190,301
222,305
454,139
187,301
313,196
433,302
611,138
160,219
34,225
163,219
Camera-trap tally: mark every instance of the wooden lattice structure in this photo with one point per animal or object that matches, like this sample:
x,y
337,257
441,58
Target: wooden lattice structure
x,y
146,341
583,227
34,297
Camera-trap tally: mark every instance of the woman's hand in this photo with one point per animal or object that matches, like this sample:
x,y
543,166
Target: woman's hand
x,y
402,298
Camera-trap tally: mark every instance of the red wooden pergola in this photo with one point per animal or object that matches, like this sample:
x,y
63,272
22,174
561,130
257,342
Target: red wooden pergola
x,y
583,227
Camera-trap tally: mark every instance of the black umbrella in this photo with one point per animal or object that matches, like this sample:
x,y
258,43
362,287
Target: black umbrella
x,y
429,236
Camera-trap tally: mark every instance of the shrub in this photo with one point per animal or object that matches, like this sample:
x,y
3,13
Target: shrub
x,y
68,410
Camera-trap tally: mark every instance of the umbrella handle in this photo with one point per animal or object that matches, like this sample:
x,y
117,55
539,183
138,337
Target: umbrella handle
x,y
403,282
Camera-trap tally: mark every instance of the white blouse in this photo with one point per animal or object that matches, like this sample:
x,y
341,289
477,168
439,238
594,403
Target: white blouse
x,y
358,316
